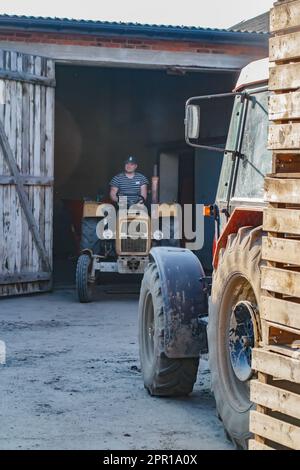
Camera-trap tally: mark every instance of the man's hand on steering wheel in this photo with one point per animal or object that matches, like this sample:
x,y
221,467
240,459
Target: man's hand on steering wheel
x,y
141,200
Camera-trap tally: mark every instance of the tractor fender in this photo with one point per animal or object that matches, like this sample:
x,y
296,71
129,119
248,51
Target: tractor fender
x,y
184,295
87,251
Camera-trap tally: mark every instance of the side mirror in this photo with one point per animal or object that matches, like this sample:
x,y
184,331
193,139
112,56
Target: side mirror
x,y
192,122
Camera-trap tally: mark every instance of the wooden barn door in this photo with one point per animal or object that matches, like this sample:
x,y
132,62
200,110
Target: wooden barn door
x,y
26,172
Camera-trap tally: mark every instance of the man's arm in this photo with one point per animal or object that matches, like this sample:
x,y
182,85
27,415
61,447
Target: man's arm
x,y
144,191
113,193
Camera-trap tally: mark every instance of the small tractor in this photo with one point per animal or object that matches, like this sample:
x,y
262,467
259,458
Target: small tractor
x,y
108,245
175,293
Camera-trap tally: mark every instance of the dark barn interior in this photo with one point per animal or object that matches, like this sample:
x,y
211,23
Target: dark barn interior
x,y
104,114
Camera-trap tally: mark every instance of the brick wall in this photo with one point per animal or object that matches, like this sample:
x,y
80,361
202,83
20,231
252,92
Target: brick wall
x,y
97,40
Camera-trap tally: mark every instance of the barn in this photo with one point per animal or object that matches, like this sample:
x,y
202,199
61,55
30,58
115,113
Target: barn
x,y
78,96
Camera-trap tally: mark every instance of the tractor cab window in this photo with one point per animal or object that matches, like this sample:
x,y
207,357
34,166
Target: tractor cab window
x,y
231,144
256,160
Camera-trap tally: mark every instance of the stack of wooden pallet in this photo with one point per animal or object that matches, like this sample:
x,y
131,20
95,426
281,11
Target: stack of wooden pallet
x,y
276,391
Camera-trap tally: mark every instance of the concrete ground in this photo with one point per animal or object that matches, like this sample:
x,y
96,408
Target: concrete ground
x,y
72,380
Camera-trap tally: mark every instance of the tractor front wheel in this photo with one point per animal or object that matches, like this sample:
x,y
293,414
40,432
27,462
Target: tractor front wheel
x,y
163,376
84,283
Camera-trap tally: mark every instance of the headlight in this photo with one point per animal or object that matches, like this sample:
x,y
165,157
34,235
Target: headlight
x,y
107,234
158,235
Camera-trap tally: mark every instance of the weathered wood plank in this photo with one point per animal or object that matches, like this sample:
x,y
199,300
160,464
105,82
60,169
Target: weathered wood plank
x,y
283,349
6,262
284,136
12,250
276,365
255,445
275,398
284,47
21,226
27,167
49,160
281,220
275,430
24,77
281,281
24,277
21,288
28,180
280,311
42,150
24,200
284,106
36,168
285,16
282,190
284,77
281,250
28,241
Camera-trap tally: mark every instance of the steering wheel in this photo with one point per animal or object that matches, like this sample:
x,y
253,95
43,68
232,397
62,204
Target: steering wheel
x,y
141,200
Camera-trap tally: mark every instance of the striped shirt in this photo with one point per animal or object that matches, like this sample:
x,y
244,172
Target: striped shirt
x,y
130,187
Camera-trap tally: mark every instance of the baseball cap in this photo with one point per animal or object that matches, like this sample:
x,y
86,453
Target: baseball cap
x,y
131,159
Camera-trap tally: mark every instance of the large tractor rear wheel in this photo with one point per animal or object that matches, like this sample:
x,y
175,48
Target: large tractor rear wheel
x,y
234,329
162,376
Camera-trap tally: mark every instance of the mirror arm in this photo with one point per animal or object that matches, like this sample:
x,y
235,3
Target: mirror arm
x,y
206,147
235,154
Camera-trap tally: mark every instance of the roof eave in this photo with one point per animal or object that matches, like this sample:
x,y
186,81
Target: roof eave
x,y
136,30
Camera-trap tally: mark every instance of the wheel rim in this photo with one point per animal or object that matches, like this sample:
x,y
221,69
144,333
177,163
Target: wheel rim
x,y
237,300
149,329
241,340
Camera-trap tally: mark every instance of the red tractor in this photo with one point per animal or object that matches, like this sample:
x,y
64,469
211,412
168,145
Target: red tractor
x,y
175,295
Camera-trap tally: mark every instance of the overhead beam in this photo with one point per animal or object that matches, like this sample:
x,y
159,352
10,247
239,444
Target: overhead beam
x,y
136,58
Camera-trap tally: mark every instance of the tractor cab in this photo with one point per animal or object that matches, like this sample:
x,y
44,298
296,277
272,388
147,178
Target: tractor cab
x,y
246,156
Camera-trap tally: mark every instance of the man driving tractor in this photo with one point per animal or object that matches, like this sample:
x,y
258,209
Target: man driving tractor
x,y
124,246
129,183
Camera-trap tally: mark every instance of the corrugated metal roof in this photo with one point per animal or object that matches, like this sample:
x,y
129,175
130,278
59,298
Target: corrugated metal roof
x,y
113,27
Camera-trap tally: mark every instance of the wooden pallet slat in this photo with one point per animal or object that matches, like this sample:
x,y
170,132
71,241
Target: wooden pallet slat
x,y
275,398
281,281
284,106
282,190
281,250
276,365
275,430
284,77
280,311
285,16
285,47
281,220
284,136
281,349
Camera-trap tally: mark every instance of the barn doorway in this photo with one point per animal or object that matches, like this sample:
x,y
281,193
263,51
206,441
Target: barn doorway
x,y
104,114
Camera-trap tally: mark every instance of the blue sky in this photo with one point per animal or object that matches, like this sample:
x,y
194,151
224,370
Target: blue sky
x,y
215,13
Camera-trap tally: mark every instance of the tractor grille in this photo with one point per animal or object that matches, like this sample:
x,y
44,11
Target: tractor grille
x,y
134,245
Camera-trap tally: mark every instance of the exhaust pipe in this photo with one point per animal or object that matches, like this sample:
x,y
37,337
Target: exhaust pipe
x,y
154,185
